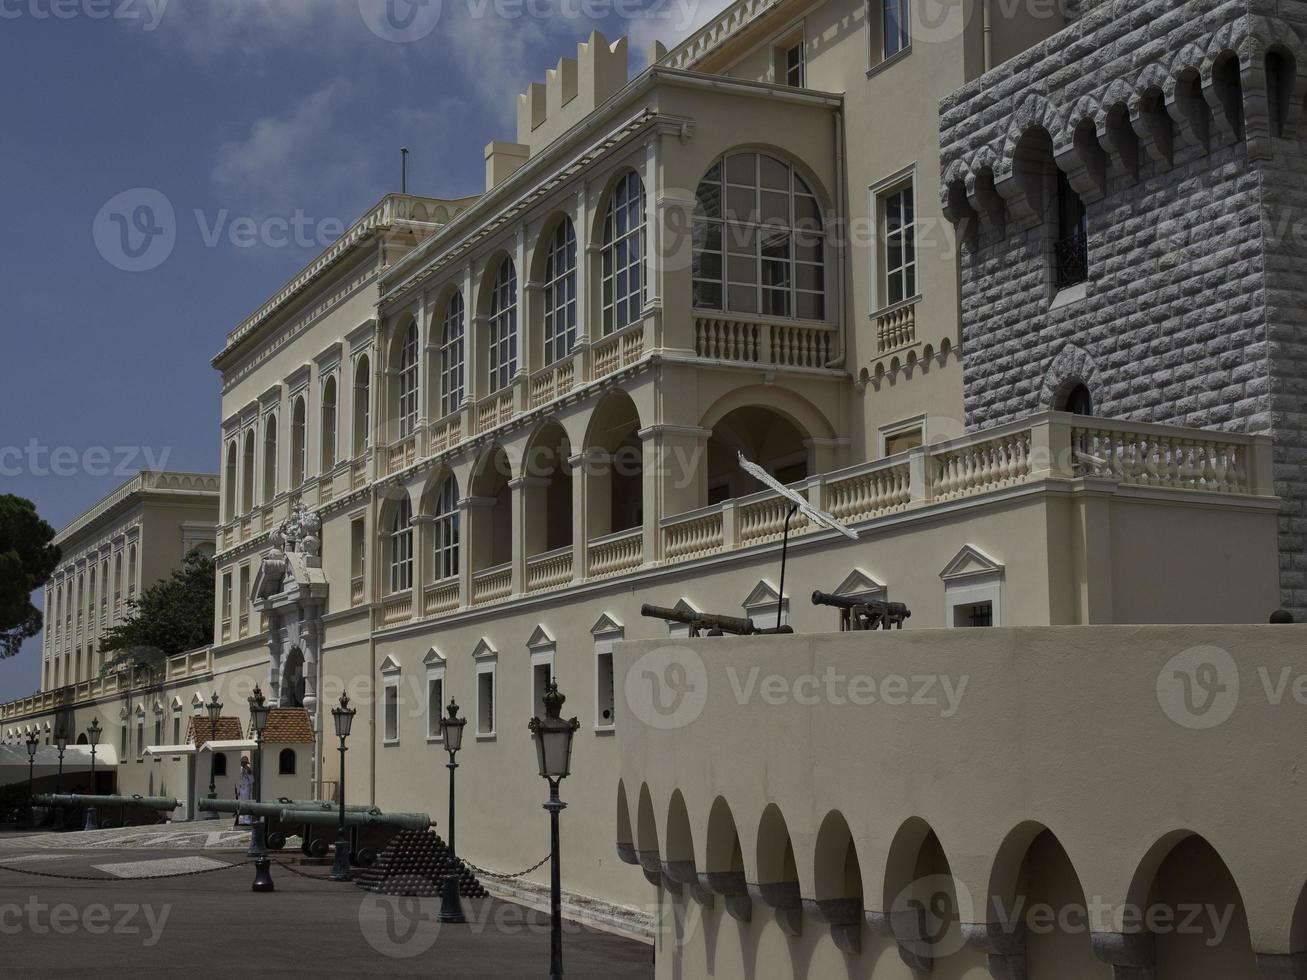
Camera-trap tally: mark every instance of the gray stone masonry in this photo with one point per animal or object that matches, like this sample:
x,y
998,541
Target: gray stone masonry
x,y
1180,126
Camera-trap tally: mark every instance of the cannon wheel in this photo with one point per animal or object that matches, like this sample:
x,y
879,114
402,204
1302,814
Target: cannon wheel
x,y
276,841
318,848
366,857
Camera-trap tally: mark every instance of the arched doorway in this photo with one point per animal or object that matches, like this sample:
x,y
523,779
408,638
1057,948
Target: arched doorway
x,y
766,437
292,680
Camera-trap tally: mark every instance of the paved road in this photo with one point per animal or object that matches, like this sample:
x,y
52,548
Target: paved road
x,y
211,924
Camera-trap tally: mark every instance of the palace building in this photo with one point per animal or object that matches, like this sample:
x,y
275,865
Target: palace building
x,y
972,286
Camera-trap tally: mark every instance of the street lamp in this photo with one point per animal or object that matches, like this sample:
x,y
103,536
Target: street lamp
x,y
258,849
61,740
32,743
553,738
451,731
92,736
343,716
214,708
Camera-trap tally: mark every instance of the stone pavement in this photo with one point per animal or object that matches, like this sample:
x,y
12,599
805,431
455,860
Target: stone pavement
x,y
210,922
202,835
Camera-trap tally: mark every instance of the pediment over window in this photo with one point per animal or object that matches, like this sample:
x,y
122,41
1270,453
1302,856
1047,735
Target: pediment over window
x,y
484,651
607,624
433,658
684,605
971,562
540,638
859,583
390,665
763,594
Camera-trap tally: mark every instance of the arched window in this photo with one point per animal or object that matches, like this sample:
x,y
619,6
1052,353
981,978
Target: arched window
x,y
401,548
503,326
362,406
247,479
623,254
445,530
1077,400
328,425
408,382
560,292
270,459
759,240
451,356
229,477
286,762
298,445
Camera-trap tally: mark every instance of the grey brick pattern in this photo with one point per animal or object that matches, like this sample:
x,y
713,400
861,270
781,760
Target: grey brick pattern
x,y
1188,154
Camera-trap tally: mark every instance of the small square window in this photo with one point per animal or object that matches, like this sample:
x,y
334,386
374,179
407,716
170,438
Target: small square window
x,y
974,614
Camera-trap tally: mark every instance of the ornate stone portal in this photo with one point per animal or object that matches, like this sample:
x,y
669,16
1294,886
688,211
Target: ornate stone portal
x,y
290,588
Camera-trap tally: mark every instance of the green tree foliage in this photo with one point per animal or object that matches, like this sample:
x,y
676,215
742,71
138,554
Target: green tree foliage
x,y
27,559
169,617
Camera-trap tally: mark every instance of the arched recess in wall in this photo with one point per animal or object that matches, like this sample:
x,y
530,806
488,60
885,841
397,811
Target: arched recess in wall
x,y
489,542
777,886
837,878
614,466
548,489
925,905
1182,871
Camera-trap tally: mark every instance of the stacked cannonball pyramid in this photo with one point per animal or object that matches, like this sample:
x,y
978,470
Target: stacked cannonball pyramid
x,y
414,864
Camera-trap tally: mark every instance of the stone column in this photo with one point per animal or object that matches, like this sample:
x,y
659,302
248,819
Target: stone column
x,y
310,638
675,476
580,515
274,658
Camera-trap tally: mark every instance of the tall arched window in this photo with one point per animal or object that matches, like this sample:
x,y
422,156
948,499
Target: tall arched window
x,y
451,356
560,292
247,479
445,530
362,406
503,326
328,425
759,240
408,382
229,478
298,445
269,459
401,548
623,254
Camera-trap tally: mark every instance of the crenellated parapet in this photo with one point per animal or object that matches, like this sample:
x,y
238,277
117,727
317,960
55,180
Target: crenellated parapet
x,y
1115,94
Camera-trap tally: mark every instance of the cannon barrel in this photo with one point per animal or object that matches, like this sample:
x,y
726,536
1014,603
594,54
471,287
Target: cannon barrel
x,y
403,821
326,805
820,598
72,799
241,808
738,625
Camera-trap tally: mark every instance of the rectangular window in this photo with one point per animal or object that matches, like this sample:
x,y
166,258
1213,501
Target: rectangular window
x,y
789,61
391,710
605,705
122,741
226,605
896,33
140,737
158,729
177,729
357,558
974,614
486,700
435,705
1072,247
901,442
898,241
541,675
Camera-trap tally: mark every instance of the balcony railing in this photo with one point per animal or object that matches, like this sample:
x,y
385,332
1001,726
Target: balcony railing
x,y
618,350
397,608
494,409
402,454
446,433
751,340
549,570
896,327
440,597
356,590
616,553
693,538
492,583
553,382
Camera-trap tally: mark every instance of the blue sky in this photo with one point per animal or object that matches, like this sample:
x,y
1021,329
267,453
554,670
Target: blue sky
x,y
239,114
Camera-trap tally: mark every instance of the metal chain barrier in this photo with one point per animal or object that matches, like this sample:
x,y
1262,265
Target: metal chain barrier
x,y
501,875
177,874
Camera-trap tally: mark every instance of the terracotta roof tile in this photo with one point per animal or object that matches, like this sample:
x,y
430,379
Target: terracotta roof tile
x,y
288,726
200,730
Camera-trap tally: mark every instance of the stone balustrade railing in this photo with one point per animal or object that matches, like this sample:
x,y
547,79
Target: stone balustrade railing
x,y
356,590
492,584
494,410
782,343
549,570
896,327
553,382
440,597
396,608
616,553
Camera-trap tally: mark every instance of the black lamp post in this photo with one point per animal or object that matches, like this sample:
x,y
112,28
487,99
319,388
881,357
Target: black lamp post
x,y
451,730
553,738
32,743
61,740
93,737
343,716
214,708
258,834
